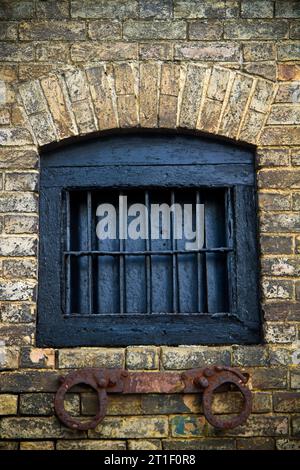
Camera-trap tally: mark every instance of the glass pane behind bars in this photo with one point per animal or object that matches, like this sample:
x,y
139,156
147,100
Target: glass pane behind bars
x,y
180,281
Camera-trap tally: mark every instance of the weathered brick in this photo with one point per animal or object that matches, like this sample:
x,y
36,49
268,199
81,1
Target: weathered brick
x,y
9,445
281,266
295,378
16,9
274,222
142,444
274,201
18,335
193,356
90,444
18,158
287,8
36,358
37,445
63,119
33,97
18,246
288,93
5,116
196,9
288,72
43,127
99,79
91,357
262,96
252,126
16,313
255,443
52,9
250,356
15,52
20,268
284,114
34,71
204,30
90,52
33,428
54,30
258,51
199,444
117,405
15,224
191,97
170,75
296,426
277,289
236,104
9,357
272,157
289,51
295,157
154,51
12,136
103,29
258,426
156,29
131,427
168,111
50,51
295,30
170,404
143,357
281,356
287,444
42,404
21,181
287,402
29,381
155,8
257,9
127,110
8,31
268,378
104,9
280,333
84,117
208,51
148,104
256,29
17,290
8,404
283,179
187,426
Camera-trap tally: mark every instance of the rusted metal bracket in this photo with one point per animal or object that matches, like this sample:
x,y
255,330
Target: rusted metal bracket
x,y
105,381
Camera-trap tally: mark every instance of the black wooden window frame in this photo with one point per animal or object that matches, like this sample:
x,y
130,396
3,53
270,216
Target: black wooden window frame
x,y
149,161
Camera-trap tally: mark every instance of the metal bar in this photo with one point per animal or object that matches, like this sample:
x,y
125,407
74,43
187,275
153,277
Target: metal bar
x,y
174,256
90,258
148,257
68,261
122,285
200,284
153,252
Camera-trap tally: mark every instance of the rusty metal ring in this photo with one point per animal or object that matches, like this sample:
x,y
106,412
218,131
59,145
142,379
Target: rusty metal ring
x,y
221,378
69,382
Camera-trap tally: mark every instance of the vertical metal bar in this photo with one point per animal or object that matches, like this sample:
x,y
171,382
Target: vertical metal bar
x,y
148,257
90,258
174,257
200,285
122,284
67,259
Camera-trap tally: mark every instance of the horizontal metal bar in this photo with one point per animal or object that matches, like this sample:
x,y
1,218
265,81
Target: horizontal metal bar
x,y
143,253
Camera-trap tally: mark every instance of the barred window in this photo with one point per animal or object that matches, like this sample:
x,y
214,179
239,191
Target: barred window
x,y
115,269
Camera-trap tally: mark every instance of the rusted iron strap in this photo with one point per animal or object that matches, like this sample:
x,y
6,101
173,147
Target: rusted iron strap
x,y
104,381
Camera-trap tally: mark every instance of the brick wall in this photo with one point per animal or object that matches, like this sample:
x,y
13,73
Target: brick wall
x,y
229,68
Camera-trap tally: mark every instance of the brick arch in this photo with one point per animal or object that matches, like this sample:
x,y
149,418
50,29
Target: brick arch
x,y
214,100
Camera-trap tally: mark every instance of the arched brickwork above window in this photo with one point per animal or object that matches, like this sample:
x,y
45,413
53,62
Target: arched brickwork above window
x,y
214,100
